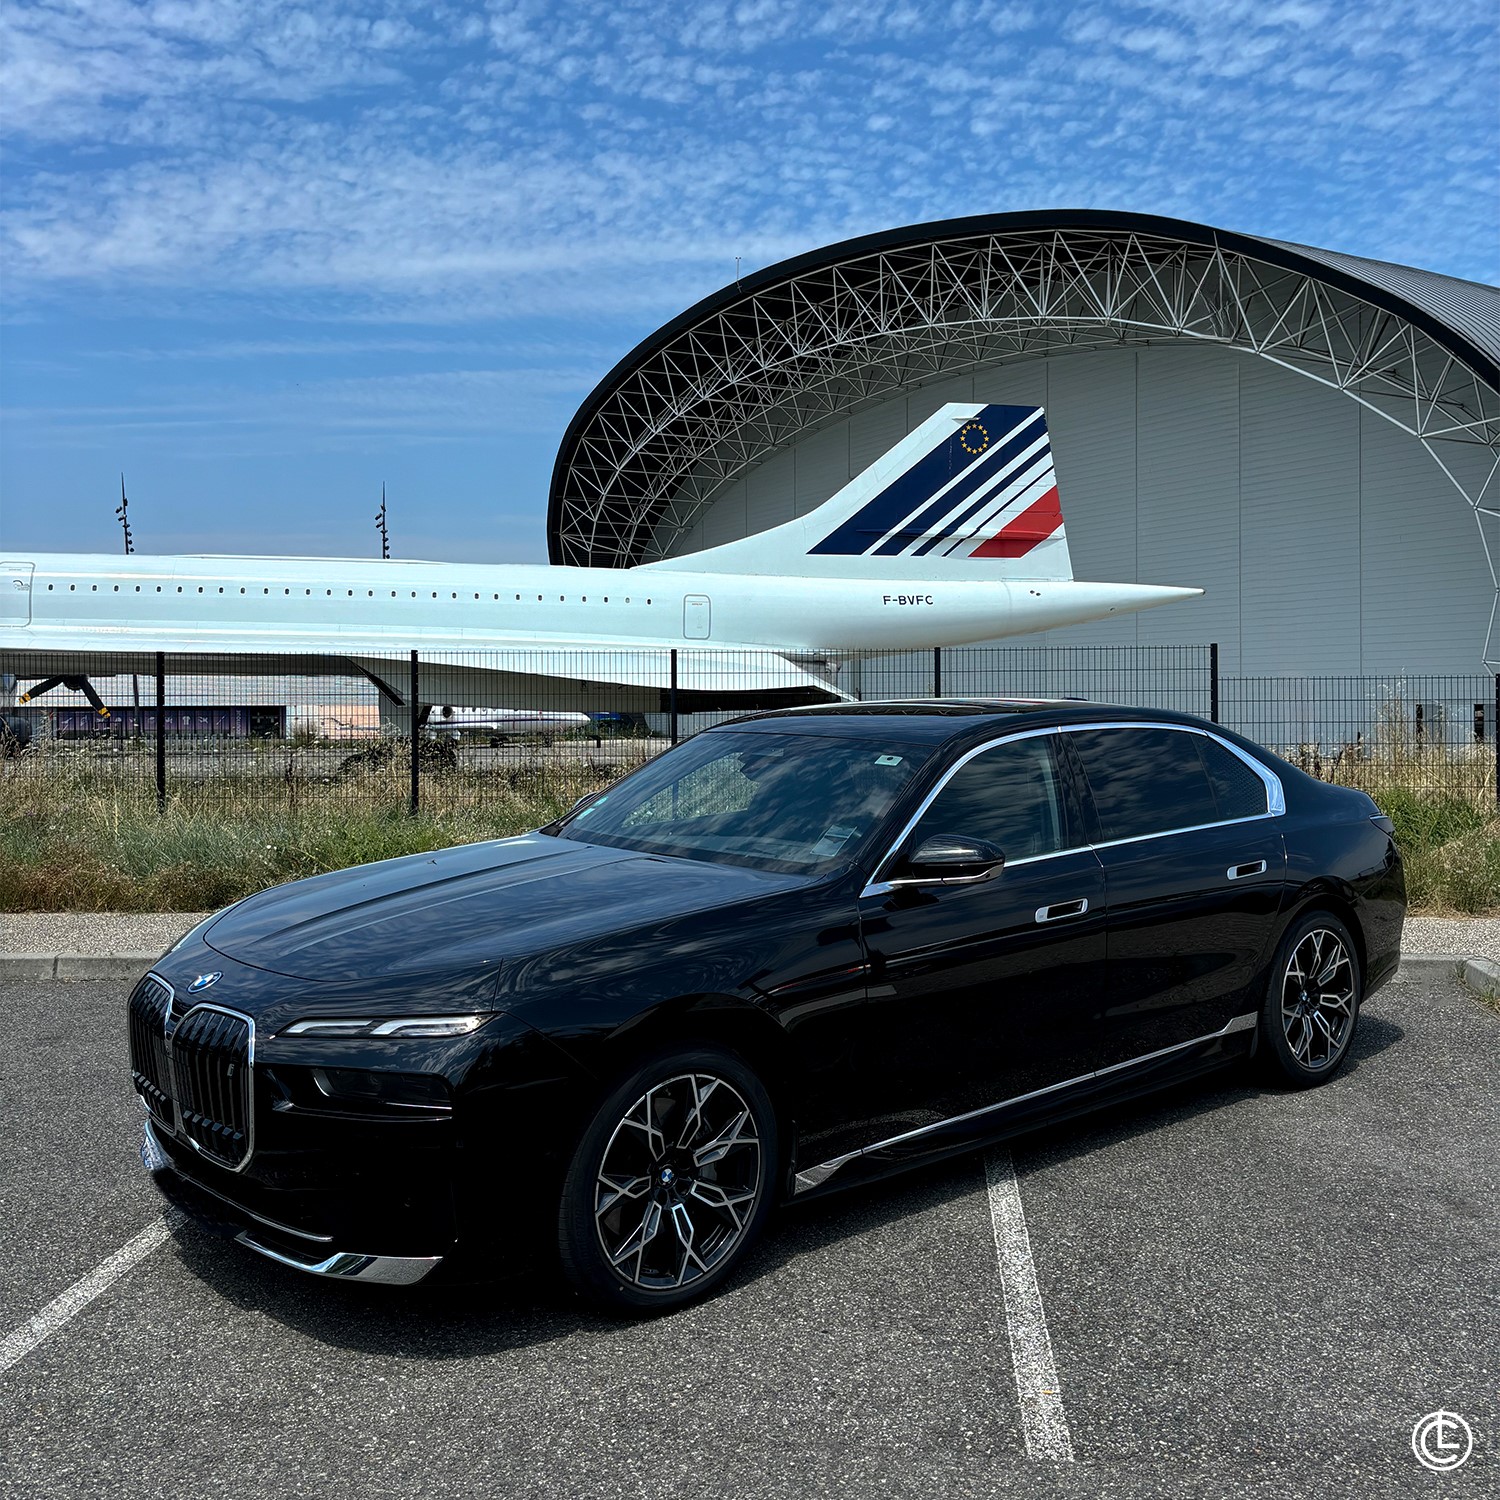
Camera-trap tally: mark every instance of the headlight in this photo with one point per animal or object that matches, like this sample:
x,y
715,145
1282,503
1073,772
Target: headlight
x,y
402,1026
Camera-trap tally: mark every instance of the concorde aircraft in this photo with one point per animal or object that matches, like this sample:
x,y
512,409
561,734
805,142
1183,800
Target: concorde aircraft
x,y
954,535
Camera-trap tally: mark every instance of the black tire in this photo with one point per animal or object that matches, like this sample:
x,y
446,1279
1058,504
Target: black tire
x,y
1312,1001
690,1140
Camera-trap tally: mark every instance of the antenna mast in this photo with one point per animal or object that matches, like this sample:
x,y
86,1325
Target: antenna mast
x,y
380,526
122,511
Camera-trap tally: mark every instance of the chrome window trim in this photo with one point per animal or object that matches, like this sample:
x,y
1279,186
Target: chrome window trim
x,y
814,1176
1275,795
875,886
180,1134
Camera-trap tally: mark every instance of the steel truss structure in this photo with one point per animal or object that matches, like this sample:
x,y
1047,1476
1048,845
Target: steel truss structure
x,y
814,339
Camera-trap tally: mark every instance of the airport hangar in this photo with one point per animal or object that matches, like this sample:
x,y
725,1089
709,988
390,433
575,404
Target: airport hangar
x,y
1310,436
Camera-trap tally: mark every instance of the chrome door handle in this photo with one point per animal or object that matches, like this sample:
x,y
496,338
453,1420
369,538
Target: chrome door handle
x,y
1061,909
1239,872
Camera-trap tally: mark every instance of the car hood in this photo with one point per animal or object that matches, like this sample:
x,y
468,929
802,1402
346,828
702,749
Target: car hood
x,y
469,907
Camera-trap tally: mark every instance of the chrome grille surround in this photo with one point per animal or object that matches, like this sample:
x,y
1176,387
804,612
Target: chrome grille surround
x,y
150,1007
212,1051
194,1071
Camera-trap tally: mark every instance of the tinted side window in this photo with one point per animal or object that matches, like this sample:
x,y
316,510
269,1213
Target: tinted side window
x,y
1145,780
1240,792
1008,795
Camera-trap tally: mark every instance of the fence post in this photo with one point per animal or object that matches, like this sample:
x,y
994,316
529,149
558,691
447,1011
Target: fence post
x,y
414,801
1213,681
937,671
1495,738
161,731
672,697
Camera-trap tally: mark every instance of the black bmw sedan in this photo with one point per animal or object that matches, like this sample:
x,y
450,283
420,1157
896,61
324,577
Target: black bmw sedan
x,y
797,951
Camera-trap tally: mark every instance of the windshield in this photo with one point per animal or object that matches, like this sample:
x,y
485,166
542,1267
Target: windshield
x,y
789,803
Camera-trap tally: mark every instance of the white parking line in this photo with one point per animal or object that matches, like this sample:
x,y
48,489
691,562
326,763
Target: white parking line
x,y
1044,1424
16,1346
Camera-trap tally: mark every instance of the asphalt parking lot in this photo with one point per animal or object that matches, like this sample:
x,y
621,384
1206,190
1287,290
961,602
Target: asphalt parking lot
x,y
1247,1291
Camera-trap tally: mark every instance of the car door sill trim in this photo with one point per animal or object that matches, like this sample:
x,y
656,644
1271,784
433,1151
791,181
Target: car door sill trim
x,y
815,1176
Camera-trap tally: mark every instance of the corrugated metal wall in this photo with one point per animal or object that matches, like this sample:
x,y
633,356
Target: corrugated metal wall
x,y
1329,541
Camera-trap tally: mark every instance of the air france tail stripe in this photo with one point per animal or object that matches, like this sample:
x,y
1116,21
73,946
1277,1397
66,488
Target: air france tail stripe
x,y
1023,472
1024,488
956,524
1029,529
892,505
997,458
955,458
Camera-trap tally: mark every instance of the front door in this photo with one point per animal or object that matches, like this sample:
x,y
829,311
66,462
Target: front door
x,y
981,993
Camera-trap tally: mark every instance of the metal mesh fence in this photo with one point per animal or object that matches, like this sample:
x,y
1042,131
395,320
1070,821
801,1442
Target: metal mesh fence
x,y
508,738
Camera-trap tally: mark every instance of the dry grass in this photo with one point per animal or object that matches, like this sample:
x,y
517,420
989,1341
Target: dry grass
x,y
78,833
78,837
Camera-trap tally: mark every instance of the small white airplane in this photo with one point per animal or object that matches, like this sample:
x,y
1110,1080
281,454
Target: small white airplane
x,y
955,535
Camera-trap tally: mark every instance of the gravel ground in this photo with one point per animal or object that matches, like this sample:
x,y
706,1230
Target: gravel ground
x,y
125,932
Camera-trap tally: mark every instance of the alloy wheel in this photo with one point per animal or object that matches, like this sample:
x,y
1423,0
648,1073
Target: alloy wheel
x,y
1317,999
678,1182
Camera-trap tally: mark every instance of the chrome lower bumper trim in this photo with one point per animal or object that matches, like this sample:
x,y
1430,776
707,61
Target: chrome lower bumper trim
x,y
387,1270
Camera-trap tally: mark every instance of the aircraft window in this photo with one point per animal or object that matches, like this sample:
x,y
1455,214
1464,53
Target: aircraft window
x,y
476,596
518,598
94,588
286,591
329,592
265,591
351,593
49,589
179,588
242,591
434,593
371,593
72,587
221,591
393,593
585,598
627,599
455,596
497,596
138,589
158,589
606,598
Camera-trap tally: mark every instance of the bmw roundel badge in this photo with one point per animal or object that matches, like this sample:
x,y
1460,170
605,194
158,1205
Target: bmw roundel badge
x,y
205,981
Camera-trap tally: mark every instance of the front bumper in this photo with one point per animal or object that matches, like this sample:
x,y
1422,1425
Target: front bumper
x,y
288,1246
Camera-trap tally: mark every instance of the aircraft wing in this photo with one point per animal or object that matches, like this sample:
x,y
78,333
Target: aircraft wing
x,y
547,674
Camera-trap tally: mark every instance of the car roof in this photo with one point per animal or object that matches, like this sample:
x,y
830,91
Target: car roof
x,y
941,719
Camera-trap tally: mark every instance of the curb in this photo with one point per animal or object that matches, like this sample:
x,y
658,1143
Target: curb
x,y
1482,975
77,966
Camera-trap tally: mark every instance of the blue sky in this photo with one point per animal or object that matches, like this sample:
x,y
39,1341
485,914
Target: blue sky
x,y
263,256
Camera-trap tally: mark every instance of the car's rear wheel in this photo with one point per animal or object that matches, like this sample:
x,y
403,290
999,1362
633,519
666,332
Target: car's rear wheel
x,y
671,1183
1312,1005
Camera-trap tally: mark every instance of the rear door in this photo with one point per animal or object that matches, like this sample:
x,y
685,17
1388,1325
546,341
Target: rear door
x,y
1196,871
983,992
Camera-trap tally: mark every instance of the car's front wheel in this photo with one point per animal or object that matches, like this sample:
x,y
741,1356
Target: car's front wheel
x,y
671,1183
1313,1001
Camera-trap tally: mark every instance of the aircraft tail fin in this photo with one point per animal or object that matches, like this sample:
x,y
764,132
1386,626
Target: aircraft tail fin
x,y
969,494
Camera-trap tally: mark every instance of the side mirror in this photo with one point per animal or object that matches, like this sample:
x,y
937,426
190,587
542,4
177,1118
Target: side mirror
x,y
950,859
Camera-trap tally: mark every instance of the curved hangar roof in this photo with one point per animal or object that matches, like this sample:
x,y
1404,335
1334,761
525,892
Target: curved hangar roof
x,y
798,344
